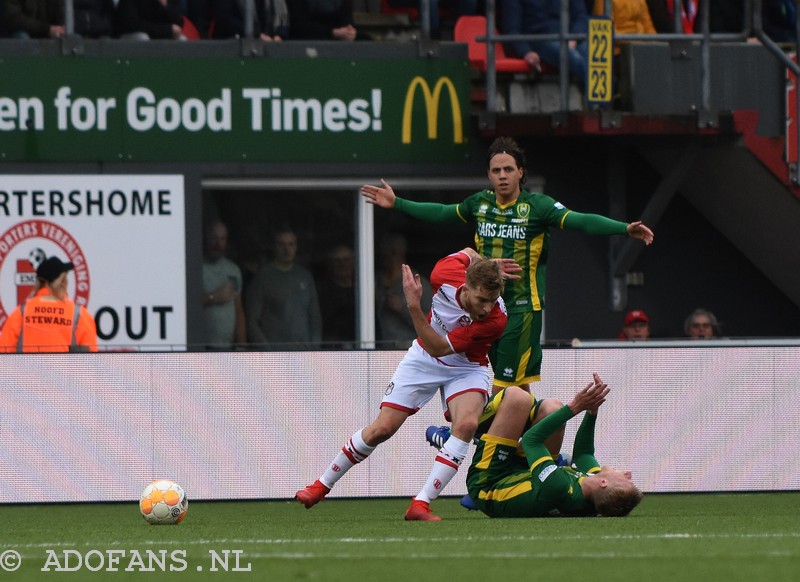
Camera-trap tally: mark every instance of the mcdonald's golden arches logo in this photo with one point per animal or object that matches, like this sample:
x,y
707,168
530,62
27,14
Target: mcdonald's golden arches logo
x,y
432,99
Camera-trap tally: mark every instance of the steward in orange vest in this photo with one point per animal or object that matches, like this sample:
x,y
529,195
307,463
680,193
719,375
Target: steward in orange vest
x,y
49,321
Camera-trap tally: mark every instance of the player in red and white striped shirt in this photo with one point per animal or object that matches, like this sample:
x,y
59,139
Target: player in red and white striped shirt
x,y
450,353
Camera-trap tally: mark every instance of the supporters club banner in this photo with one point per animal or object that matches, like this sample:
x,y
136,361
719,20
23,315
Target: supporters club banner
x,y
125,237
173,110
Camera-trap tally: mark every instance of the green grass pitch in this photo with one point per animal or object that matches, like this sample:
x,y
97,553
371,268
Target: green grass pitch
x,y
709,537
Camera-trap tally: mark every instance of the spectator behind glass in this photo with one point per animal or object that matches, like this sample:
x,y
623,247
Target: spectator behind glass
x,y
323,20
270,19
460,8
223,315
33,18
282,307
94,18
337,298
394,328
544,17
701,324
146,19
636,326
251,253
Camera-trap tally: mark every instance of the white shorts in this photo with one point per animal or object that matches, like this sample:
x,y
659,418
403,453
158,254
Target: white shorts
x,y
419,376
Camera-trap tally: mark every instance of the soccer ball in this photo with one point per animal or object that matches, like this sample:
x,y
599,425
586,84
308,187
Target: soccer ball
x,y
163,503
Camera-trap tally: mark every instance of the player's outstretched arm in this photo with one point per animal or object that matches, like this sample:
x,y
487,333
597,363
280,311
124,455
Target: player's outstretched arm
x,y
639,230
385,197
583,448
596,224
382,196
434,344
590,397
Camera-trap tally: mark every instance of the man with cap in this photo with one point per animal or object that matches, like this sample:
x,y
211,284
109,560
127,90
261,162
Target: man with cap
x,y
636,326
49,321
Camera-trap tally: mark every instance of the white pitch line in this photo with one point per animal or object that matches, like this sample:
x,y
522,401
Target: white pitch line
x,y
398,540
450,555
249,556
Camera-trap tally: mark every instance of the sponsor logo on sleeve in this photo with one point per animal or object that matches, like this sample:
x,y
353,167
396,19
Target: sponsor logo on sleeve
x,y
546,472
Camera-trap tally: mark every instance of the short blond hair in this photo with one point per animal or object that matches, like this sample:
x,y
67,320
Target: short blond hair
x,y
485,273
617,501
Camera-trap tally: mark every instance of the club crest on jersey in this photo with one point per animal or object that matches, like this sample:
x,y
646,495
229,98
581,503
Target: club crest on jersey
x,y
523,210
464,320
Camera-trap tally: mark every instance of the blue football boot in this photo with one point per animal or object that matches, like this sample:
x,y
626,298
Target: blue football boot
x,y
437,435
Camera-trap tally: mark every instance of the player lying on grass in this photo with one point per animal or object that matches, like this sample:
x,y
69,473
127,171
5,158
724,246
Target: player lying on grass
x,y
504,483
450,353
538,409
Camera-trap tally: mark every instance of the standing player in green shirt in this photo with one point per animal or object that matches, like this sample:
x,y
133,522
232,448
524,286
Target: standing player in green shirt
x,y
511,222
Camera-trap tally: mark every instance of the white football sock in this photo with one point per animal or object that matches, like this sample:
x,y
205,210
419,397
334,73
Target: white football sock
x,y
444,469
352,453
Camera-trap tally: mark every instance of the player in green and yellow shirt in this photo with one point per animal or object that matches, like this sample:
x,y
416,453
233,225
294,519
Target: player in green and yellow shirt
x,y
502,483
511,222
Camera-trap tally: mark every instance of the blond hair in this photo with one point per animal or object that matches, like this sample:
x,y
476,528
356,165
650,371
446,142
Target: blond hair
x,y
617,501
486,274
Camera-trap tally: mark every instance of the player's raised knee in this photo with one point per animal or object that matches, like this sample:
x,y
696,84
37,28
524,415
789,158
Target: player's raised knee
x,y
516,397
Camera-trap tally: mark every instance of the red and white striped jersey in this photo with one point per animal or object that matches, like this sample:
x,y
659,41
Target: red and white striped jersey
x,y
469,339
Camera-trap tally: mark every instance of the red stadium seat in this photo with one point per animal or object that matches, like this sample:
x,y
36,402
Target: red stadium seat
x,y
467,29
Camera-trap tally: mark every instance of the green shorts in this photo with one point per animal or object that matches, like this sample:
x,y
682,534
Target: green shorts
x,y
517,356
499,481
502,483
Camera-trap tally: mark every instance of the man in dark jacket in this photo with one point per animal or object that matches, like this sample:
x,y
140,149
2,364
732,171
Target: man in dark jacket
x,y
324,20
544,17
148,18
270,19
94,18
33,18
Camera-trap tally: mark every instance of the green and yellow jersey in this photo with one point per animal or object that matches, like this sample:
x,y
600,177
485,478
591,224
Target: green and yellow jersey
x,y
503,484
519,230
